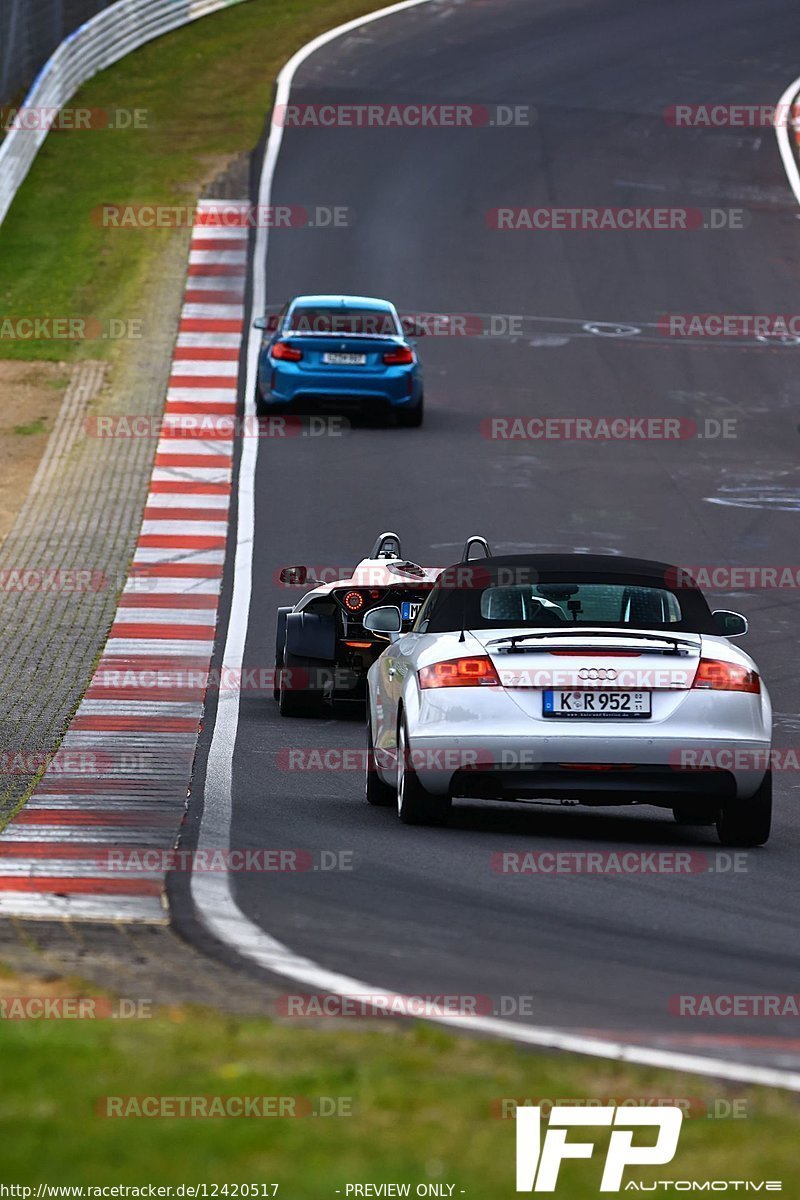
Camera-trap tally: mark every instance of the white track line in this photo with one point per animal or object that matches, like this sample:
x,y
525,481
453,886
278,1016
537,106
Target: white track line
x,y
782,131
211,892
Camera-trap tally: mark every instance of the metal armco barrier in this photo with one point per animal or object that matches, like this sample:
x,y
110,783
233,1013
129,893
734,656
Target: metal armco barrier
x,y
30,30
97,44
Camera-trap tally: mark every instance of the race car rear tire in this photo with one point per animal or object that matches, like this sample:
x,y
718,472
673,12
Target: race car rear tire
x,y
262,408
747,822
266,408
300,700
411,418
416,806
696,816
378,793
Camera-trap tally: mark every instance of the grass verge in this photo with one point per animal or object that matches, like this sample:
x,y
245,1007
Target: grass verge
x,y
31,394
203,94
409,1104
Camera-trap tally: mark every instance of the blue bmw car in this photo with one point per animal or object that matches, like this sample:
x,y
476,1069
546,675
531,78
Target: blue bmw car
x,y
339,353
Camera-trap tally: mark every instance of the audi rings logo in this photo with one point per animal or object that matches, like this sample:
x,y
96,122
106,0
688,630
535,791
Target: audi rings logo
x,y
597,673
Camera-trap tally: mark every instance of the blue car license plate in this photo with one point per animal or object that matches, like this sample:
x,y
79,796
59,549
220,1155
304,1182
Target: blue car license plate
x,y
344,360
409,609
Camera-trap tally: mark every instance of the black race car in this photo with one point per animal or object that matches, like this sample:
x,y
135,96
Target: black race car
x,y
322,651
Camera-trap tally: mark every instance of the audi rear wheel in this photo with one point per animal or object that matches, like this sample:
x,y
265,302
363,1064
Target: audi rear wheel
x,y
378,793
747,822
415,806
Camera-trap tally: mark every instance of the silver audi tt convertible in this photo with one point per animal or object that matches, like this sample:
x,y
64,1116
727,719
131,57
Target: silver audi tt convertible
x,y
571,678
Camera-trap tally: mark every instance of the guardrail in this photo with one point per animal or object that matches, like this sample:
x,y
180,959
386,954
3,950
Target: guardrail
x,y
97,44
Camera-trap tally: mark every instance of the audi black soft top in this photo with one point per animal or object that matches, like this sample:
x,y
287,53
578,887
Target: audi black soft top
x,y
455,602
594,565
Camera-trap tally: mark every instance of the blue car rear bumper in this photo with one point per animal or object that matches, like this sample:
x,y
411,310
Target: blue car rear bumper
x,y
287,383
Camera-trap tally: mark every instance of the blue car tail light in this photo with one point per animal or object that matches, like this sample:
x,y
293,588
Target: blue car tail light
x,y
282,350
403,356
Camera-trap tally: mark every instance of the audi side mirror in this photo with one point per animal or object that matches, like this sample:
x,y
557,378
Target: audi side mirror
x,y
386,620
729,624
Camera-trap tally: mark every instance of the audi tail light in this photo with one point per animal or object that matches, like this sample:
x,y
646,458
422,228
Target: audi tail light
x,y
460,672
719,676
403,356
286,353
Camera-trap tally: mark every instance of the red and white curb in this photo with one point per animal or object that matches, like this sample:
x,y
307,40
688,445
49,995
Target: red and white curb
x,y
121,776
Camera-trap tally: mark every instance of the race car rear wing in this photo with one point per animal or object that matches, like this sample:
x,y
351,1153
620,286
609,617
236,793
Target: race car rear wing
x,y
467,555
387,546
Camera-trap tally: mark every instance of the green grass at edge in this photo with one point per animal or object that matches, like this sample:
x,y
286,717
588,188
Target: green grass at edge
x,y
204,93
423,1106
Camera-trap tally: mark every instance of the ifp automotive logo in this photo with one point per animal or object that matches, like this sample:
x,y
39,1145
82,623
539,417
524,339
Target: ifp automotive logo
x,y
539,1160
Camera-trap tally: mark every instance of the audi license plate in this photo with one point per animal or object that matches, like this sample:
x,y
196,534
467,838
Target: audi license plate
x,y
596,703
344,360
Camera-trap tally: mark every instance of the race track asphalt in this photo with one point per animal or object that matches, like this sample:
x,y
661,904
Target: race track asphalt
x,y
423,911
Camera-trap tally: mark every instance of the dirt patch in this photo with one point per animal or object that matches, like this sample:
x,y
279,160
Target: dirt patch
x,y
30,397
